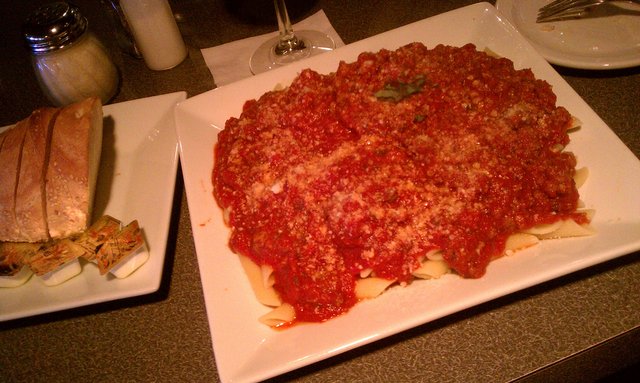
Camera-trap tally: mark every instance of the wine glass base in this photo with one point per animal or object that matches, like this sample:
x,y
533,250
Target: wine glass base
x,y
265,58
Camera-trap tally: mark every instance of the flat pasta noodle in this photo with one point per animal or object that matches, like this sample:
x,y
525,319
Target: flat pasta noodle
x,y
268,279
565,228
520,241
366,273
590,213
371,287
581,176
575,123
569,228
264,292
281,315
430,269
226,214
543,229
435,255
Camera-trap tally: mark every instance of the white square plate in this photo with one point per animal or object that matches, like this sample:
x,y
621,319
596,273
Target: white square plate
x,y
246,350
136,181
609,38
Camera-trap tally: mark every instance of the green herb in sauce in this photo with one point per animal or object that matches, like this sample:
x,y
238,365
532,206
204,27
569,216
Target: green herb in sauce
x,y
397,91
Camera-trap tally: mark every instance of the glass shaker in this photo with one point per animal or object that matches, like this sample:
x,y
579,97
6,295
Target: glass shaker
x,y
69,61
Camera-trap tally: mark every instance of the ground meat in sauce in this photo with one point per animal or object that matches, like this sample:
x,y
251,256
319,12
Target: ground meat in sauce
x,y
329,177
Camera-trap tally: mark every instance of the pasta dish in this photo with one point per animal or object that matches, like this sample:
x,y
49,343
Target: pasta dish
x,y
404,164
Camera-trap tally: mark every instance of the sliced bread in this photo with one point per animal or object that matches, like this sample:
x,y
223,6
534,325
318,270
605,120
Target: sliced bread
x,y
30,203
74,160
9,176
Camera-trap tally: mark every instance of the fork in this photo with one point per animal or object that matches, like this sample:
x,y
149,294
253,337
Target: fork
x,y
568,9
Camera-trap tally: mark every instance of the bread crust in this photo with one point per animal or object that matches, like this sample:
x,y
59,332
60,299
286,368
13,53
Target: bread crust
x,y
30,205
10,156
76,143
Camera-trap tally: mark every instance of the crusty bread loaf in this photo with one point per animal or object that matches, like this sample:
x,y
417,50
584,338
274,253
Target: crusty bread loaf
x,y
76,145
9,175
30,195
48,171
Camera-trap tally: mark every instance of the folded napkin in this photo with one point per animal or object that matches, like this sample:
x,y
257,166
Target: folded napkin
x,y
230,62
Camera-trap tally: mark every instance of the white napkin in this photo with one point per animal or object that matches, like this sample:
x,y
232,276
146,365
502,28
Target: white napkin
x,y
230,62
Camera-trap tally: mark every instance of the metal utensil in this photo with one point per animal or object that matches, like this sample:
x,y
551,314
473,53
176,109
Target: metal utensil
x,y
568,9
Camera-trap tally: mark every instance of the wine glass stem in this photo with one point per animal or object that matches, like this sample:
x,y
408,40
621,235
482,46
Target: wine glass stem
x,y
288,41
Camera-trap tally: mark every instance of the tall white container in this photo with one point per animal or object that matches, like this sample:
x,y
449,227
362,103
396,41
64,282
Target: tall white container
x,y
155,32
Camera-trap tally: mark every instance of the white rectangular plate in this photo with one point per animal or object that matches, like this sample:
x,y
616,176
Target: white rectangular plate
x,y
136,181
248,351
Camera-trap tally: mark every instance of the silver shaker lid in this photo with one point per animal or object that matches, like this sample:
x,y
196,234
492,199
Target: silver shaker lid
x,y
53,26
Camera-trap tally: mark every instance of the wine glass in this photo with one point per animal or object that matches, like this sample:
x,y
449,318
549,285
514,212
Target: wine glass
x,y
288,46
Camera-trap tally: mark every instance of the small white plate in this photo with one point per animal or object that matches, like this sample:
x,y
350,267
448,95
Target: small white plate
x,y
247,351
136,181
608,38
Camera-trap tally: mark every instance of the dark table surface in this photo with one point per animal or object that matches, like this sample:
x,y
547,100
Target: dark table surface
x,y
581,327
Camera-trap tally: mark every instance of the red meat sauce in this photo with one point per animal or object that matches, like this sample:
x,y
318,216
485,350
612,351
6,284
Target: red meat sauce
x,y
328,177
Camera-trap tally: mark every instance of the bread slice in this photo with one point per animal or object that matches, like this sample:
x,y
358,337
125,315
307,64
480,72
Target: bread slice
x,y
74,161
9,175
30,196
